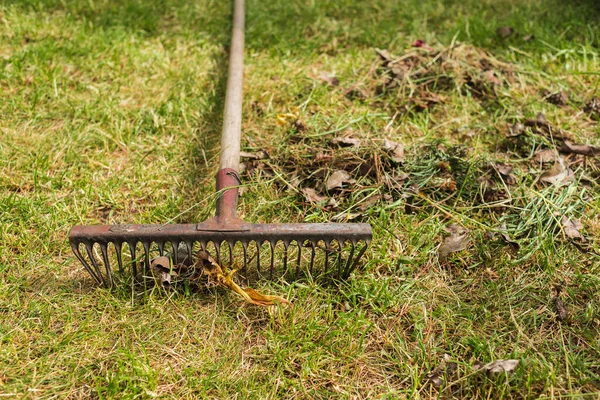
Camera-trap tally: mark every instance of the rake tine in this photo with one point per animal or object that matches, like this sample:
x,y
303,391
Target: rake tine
x,y
133,259
104,251
285,257
358,257
189,246
119,256
299,259
349,262
245,249
87,267
88,249
161,248
313,253
258,246
146,257
175,247
218,251
327,256
272,259
230,252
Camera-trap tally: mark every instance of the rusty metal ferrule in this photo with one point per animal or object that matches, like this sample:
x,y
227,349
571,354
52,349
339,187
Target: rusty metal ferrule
x,y
228,181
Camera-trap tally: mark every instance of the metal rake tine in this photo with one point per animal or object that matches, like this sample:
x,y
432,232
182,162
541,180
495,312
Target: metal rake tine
x,y
326,256
258,246
104,251
358,257
75,248
119,255
349,262
218,251
230,252
285,257
88,249
299,259
175,251
245,249
146,257
272,259
133,259
161,248
312,257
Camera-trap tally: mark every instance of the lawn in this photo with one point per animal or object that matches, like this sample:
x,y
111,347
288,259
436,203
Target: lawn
x,y
483,231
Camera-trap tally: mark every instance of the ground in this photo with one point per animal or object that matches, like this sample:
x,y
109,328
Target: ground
x,y
111,114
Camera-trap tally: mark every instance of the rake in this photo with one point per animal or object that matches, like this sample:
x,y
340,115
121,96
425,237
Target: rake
x,y
288,250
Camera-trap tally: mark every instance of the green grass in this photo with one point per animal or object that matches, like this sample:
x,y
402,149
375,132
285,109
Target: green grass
x,y
111,114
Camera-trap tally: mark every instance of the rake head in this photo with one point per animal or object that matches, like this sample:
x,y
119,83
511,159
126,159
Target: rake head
x,y
288,251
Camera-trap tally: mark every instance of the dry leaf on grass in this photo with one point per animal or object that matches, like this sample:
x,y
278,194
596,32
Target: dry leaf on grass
x,y
313,196
558,175
593,107
505,31
338,179
558,98
161,271
444,372
562,312
457,241
225,278
499,366
569,147
545,156
346,141
571,228
504,233
328,78
394,149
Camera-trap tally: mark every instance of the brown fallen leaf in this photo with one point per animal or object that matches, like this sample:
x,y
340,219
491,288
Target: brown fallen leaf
x,y
161,271
347,141
490,77
328,78
457,241
562,312
444,372
225,278
558,175
505,31
338,179
384,55
504,233
499,366
299,125
558,98
571,228
312,196
394,149
505,170
593,107
545,156
569,147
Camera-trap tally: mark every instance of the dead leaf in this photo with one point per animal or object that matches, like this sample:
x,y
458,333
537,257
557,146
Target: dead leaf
x,y
396,150
161,270
490,76
528,38
370,202
225,278
545,156
516,129
500,366
444,372
338,178
457,241
571,148
593,107
328,78
505,31
312,196
572,227
562,311
505,170
558,175
504,233
299,125
346,141
384,55
558,98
